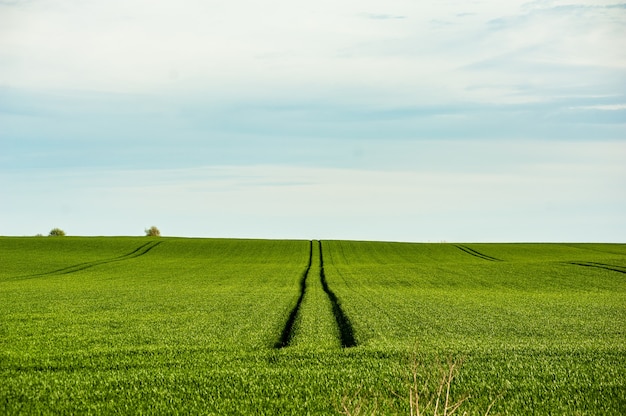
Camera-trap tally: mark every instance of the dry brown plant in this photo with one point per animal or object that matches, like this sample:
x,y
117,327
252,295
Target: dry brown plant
x,y
429,392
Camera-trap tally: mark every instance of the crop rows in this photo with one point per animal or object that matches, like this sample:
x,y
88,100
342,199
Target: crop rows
x,y
343,323
129,325
611,267
139,251
315,324
475,253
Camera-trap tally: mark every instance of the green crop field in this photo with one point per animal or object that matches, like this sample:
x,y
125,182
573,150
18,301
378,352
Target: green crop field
x,y
92,325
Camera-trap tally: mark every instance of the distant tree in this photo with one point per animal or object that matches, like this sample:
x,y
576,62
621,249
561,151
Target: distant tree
x,y
56,232
153,232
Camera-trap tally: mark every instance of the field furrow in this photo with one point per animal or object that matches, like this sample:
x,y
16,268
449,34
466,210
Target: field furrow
x,y
344,325
316,327
475,253
611,267
138,252
200,326
288,330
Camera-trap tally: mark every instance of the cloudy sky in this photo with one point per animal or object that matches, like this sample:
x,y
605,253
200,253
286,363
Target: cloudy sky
x,y
376,120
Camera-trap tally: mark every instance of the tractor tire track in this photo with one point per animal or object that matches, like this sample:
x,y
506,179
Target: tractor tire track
x,y
351,287
346,332
475,253
611,267
287,334
138,252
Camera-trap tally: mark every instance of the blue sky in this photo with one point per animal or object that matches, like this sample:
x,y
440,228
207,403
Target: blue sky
x,y
396,120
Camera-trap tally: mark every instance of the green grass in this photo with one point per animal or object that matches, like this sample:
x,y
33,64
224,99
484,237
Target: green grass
x,y
548,335
112,325
315,328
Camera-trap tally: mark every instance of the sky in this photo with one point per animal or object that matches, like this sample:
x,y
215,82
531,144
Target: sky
x,y
395,120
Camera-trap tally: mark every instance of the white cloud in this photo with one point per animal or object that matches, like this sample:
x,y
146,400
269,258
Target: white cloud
x,y
539,191
608,107
241,49
370,88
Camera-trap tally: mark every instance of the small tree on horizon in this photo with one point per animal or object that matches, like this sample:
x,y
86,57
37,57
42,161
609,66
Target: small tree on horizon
x,y
153,232
56,232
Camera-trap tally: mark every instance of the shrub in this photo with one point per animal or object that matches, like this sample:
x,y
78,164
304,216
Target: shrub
x,y
56,232
153,232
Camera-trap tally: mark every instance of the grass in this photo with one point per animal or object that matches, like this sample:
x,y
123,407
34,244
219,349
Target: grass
x,y
428,393
101,325
531,325
316,328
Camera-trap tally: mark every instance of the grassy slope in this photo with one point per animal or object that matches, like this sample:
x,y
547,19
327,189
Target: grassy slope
x,y
183,292
190,325
147,331
547,334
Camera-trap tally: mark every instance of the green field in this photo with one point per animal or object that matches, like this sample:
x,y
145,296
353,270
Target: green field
x,y
221,326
